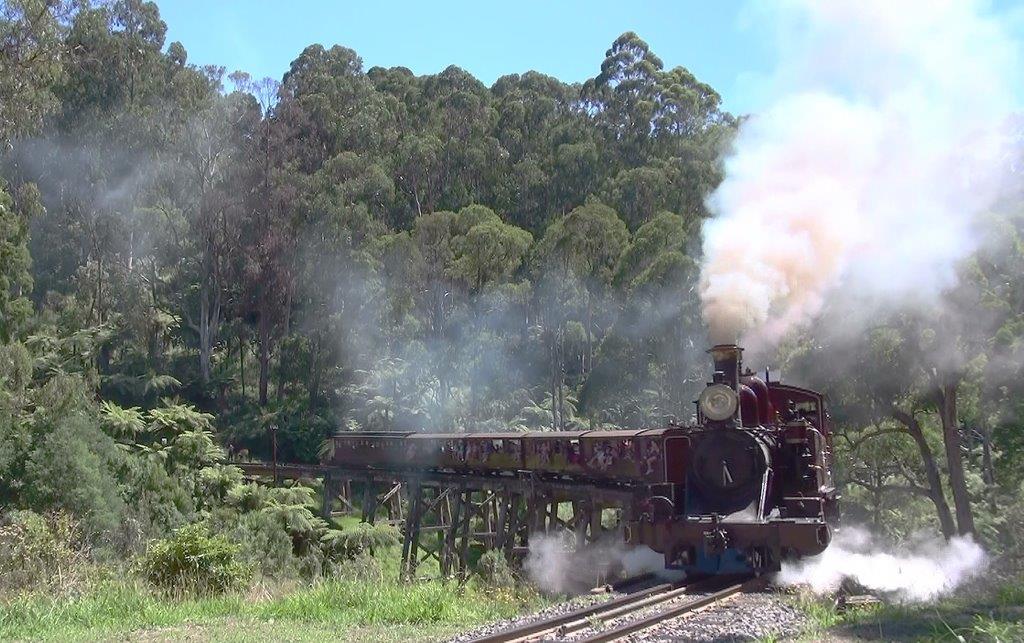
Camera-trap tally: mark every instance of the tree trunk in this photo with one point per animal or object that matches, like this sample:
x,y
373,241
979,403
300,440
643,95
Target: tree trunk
x,y
474,402
205,342
286,325
313,385
103,354
241,358
945,397
103,359
935,492
988,470
264,330
590,339
561,378
279,393
155,348
99,287
553,380
439,292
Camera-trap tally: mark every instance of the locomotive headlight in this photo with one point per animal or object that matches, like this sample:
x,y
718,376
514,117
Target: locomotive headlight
x,y
718,402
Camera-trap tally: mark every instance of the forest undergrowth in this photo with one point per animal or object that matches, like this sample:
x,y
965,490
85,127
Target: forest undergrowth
x,y
361,600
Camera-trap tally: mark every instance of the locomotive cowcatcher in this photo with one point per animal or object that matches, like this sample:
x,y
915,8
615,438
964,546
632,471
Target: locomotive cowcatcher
x,y
744,487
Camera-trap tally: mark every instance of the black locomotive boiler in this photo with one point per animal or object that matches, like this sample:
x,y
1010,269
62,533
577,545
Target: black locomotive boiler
x,y
746,486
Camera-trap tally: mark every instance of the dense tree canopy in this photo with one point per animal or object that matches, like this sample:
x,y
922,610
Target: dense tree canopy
x,y
367,248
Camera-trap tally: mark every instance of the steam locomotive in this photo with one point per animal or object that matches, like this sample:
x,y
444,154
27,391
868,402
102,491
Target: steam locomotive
x,y
749,484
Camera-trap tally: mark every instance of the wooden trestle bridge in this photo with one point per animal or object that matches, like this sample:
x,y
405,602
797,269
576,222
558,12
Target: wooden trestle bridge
x,y
442,516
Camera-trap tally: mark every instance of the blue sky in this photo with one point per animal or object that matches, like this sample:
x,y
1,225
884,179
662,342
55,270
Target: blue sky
x,y
715,39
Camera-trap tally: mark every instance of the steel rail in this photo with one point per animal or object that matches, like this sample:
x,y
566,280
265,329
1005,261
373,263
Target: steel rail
x,y
528,630
583,623
648,622
621,585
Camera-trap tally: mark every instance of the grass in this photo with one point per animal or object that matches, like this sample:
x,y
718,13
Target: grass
x,y
336,609
995,615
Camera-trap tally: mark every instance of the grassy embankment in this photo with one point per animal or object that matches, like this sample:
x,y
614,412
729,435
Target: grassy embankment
x,y
355,609
988,614
351,610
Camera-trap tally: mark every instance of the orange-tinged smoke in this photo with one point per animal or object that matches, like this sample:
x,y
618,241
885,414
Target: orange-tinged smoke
x,y
867,170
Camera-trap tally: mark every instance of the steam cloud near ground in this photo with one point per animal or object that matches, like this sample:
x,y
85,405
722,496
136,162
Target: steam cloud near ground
x,y
918,572
556,567
882,142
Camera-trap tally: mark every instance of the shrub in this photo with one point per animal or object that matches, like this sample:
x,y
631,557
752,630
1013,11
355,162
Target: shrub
x,y
362,568
40,553
262,542
194,561
495,570
72,464
363,538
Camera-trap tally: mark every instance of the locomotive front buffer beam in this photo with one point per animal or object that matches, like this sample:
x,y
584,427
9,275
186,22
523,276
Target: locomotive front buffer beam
x,y
714,546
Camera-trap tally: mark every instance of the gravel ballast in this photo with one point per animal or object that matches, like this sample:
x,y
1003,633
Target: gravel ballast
x,y
744,617
575,603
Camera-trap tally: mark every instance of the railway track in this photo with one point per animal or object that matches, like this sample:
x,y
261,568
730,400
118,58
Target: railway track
x,y
635,626
663,598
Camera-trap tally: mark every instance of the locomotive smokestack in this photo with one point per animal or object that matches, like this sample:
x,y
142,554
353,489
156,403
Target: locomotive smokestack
x,y
727,359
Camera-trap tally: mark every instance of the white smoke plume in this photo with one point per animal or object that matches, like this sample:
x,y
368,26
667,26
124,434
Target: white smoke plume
x,y
557,568
881,143
919,572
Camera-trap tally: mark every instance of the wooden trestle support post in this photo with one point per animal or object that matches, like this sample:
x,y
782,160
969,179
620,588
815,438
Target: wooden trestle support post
x,y
445,523
336,489
377,494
